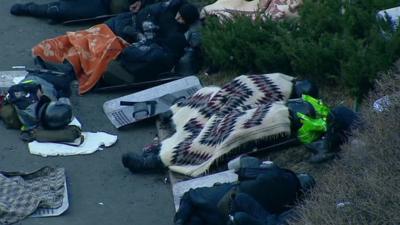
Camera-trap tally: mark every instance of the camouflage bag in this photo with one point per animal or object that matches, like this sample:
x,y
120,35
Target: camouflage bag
x,y
9,116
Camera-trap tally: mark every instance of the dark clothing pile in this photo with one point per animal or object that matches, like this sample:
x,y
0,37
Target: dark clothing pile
x,y
163,14
145,60
262,196
157,19
28,103
27,107
341,122
122,25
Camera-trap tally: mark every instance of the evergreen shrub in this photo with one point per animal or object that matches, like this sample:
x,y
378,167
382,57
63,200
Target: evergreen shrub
x,y
334,42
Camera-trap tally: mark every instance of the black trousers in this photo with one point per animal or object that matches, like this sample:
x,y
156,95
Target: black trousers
x,y
70,9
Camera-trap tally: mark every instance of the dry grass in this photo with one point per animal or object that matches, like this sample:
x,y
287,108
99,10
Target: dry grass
x,y
363,186
366,178
218,79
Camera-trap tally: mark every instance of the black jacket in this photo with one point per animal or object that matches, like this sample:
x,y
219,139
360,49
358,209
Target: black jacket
x,y
275,189
145,60
163,15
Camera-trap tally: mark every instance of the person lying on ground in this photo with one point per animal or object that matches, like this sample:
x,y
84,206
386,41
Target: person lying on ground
x,y
64,10
182,17
250,112
218,121
140,59
145,59
130,27
91,61
39,106
264,195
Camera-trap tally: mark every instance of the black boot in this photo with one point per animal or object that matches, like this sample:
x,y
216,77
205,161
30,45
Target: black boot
x,y
42,11
21,9
137,163
321,151
50,10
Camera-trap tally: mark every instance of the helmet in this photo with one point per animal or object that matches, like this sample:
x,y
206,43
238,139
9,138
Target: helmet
x,y
189,13
341,120
305,87
56,115
298,105
307,182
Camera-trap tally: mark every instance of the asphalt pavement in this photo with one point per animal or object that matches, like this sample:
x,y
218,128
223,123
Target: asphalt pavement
x,y
101,191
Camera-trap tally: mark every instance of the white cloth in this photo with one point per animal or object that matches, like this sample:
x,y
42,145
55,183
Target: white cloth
x,y
381,104
76,122
92,143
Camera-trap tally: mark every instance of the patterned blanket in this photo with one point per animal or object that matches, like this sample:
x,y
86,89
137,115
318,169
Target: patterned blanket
x,y
21,194
215,121
89,51
275,9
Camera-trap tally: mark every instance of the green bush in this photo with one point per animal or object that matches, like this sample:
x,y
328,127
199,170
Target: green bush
x,y
244,45
332,42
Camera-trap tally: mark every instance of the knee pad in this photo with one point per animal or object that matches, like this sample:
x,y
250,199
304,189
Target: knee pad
x,y
298,105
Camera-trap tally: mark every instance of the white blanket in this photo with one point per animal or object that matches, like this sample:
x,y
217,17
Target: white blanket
x,y
92,143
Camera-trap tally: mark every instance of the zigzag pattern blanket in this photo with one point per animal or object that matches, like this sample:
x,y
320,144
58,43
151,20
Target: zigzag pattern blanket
x,y
275,9
215,121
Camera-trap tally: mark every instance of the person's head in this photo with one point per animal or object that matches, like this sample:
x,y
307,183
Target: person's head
x,y
341,120
187,14
305,87
56,115
307,182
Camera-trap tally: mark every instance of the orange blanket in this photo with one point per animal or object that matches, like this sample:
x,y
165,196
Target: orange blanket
x,y
89,51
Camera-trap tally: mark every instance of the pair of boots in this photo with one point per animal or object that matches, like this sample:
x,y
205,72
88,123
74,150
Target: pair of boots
x,y
148,161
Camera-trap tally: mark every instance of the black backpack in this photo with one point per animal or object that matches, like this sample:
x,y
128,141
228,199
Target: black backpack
x,y
23,94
